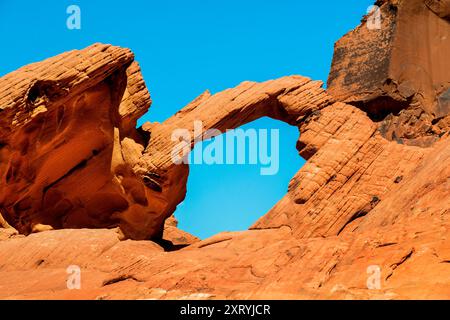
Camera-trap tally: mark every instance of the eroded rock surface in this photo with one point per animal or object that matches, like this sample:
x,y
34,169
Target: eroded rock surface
x,y
398,73
65,122
288,99
373,195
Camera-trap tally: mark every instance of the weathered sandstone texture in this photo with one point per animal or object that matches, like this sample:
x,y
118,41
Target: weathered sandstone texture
x,y
399,73
81,186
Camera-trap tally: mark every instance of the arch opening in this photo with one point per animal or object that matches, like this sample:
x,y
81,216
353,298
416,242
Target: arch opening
x,y
230,193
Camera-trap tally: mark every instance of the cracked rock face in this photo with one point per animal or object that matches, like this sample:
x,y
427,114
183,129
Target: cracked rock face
x,y
77,177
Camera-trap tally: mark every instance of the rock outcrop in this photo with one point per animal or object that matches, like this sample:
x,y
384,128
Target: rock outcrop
x,y
397,71
80,186
62,125
289,99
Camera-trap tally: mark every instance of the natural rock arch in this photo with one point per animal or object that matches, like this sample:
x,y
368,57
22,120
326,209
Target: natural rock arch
x,y
289,99
362,200
123,177
116,175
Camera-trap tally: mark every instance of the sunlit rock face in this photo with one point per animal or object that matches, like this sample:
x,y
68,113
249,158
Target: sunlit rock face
x,y
367,217
72,158
64,121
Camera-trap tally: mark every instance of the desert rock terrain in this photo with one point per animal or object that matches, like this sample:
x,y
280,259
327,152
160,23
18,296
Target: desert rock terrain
x,y
80,185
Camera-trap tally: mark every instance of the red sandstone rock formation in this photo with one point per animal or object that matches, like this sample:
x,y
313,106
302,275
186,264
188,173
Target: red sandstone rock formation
x,y
67,138
374,192
399,73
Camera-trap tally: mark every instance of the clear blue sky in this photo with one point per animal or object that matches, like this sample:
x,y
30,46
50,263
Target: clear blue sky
x,y
185,47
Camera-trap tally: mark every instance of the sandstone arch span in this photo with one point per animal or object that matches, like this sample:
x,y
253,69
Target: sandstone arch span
x,y
71,157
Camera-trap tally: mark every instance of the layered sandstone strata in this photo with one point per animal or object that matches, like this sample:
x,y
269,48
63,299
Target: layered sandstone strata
x,y
72,158
373,195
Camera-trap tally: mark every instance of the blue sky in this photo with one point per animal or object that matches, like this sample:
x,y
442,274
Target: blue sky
x,y
185,47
